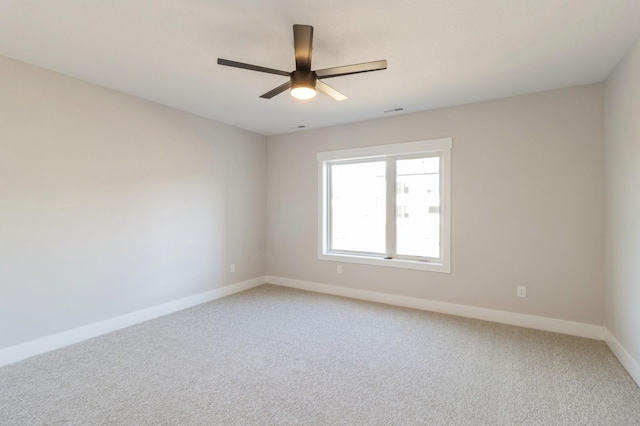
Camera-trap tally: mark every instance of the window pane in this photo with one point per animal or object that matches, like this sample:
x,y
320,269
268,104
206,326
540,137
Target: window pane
x,y
358,211
418,207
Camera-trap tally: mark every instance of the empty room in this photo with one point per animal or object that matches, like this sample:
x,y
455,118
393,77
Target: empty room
x,y
320,213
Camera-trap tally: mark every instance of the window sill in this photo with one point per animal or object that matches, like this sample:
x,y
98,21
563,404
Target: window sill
x,y
390,263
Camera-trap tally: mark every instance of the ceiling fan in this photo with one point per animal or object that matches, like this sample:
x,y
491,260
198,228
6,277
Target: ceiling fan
x,y
302,81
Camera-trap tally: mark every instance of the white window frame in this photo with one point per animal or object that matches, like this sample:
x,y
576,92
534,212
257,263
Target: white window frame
x,y
441,147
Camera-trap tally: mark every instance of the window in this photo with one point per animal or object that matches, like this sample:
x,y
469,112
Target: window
x,y
387,205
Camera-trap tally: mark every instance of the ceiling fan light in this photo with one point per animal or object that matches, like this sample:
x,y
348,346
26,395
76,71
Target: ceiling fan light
x,y
303,92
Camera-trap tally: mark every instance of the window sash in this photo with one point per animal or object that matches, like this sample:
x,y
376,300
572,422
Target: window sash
x,y
329,204
391,236
394,251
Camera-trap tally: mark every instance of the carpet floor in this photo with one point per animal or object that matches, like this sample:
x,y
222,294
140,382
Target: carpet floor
x,y
278,356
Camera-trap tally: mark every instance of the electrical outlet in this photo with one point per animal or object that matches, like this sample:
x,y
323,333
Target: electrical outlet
x,y
339,269
232,268
522,291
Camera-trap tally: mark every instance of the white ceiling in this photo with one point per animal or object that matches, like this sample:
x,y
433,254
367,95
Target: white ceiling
x,y
440,52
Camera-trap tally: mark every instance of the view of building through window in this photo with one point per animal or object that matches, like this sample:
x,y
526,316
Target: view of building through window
x,y
418,207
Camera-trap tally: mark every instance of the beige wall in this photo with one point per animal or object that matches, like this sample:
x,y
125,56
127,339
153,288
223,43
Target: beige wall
x,y
527,194
622,217
110,204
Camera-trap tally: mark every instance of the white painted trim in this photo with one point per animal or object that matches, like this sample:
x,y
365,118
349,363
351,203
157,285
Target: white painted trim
x,y
625,358
36,347
530,321
389,263
442,147
431,145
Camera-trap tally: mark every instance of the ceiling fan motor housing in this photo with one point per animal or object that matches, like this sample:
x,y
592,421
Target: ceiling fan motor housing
x,y
303,79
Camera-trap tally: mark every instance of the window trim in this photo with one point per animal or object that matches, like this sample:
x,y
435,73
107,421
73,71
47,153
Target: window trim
x,y
440,146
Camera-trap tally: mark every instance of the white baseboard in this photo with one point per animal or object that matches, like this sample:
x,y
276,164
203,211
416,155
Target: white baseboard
x,y
511,318
625,358
36,347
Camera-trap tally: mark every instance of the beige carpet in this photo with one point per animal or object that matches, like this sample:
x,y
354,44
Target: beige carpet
x,y
277,356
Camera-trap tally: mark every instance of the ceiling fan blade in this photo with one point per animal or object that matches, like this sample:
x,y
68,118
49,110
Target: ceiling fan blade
x,y
352,69
326,89
251,67
303,45
271,93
